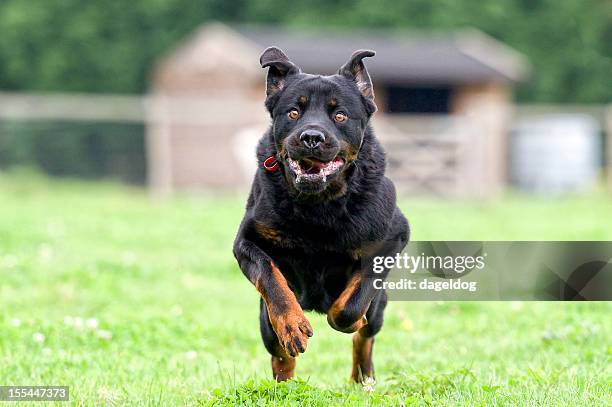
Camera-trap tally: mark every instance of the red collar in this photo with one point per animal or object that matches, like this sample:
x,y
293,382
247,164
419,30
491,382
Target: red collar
x,y
270,164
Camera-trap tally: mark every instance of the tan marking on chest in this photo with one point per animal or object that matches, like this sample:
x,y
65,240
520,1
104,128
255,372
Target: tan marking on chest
x,y
267,232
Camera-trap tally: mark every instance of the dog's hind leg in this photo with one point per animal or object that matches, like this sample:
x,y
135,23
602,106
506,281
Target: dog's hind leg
x,y
283,365
363,340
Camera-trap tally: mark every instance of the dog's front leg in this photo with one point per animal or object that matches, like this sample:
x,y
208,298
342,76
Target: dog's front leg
x,y
360,307
347,313
285,314
360,310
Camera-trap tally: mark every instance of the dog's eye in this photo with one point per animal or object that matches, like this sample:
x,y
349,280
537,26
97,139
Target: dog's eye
x,y
293,114
340,117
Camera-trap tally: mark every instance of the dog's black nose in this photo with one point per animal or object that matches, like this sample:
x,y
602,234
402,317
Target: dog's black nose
x,y
312,138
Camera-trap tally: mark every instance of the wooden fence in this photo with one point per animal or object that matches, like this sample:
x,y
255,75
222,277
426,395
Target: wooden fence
x,y
189,143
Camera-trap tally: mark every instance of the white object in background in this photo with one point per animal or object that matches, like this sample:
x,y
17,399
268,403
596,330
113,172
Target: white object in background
x,y
556,153
244,146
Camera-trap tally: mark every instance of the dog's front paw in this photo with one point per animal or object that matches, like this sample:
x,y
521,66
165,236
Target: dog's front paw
x,y
293,330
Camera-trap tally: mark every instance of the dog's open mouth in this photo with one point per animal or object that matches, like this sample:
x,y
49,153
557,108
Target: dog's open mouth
x,y
309,169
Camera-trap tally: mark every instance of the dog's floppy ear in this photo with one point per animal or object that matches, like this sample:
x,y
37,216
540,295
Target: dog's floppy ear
x,y
355,70
280,68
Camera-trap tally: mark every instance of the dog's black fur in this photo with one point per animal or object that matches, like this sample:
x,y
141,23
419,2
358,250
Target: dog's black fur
x,y
306,240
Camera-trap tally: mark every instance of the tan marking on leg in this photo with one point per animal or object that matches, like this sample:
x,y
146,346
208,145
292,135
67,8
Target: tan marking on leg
x,y
282,368
340,303
362,357
286,316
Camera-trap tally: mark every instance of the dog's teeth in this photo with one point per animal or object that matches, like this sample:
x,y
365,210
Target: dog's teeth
x,y
323,172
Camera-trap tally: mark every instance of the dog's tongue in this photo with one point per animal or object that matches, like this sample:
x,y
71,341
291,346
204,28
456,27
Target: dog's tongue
x,y
312,166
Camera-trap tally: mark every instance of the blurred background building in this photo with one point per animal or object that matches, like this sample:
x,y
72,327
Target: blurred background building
x,y
150,94
444,104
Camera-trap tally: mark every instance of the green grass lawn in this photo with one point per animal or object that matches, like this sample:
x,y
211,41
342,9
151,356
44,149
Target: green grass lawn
x,y
133,301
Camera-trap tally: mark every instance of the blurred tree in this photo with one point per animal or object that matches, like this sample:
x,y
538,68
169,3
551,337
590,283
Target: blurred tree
x,y
110,45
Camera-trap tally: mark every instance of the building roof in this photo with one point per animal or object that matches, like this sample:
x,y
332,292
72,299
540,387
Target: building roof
x,y
461,56
464,56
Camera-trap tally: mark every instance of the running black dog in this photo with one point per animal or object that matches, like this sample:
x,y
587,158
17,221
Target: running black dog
x,y
319,210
